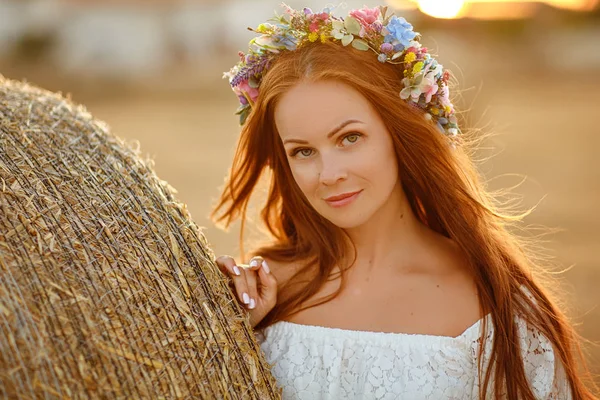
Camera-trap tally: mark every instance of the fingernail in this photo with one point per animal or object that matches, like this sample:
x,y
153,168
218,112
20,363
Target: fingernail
x,y
253,263
236,270
252,304
266,267
246,298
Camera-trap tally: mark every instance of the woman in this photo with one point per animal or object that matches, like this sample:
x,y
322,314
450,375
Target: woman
x,y
391,273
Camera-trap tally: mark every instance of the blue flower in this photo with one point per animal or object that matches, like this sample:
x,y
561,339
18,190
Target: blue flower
x,y
288,42
400,30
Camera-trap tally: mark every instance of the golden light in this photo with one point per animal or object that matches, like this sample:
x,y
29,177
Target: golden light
x,y
581,5
490,9
442,8
495,11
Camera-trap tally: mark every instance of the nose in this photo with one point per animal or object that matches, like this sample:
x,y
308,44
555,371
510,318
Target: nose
x,y
332,171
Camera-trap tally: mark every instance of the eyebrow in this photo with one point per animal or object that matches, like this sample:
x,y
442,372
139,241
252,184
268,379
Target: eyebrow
x,y
329,135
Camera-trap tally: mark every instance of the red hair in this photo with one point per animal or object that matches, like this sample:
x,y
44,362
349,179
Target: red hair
x,y
443,188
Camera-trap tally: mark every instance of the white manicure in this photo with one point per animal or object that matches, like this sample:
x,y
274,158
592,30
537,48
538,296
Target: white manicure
x,y
253,263
236,270
252,303
246,298
266,267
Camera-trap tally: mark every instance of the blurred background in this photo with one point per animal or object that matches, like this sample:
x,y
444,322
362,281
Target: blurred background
x,y
529,71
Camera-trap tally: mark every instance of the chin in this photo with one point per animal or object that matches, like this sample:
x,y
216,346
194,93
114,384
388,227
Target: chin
x,y
347,219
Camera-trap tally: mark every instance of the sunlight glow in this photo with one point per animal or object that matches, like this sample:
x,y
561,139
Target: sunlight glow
x,y
490,9
442,9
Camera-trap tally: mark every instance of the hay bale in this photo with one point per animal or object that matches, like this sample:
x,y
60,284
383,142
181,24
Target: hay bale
x,y
107,288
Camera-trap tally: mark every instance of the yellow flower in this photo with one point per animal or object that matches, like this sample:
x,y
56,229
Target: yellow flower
x,y
448,109
262,28
313,36
435,111
410,57
418,67
323,37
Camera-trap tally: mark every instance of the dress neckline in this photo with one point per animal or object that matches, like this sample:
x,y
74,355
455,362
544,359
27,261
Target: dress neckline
x,y
331,332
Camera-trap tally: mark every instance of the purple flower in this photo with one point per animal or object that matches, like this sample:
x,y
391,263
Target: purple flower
x,y
377,26
250,70
386,48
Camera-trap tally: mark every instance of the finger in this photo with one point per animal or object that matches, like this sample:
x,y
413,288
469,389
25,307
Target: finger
x,y
252,280
267,285
228,266
241,285
255,263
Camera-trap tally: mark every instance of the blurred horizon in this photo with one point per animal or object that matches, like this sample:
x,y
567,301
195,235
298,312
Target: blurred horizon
x,y
528,71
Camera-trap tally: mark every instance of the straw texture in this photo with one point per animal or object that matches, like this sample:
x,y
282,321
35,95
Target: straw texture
x,y
107,288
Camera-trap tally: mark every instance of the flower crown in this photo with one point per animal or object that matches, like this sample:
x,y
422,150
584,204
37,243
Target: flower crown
x,y
425,82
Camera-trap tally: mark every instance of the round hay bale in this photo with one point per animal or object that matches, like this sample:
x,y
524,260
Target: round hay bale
x,y
107,287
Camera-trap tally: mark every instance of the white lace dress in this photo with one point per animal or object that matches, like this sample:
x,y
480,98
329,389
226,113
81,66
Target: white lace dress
x,y
314,362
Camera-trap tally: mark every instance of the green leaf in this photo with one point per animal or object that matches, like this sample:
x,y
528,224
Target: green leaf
x,y
346,40
244,115
337,25
360,44
253,83
352,25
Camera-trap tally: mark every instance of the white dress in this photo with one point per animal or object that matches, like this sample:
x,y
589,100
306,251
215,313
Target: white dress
x,y
315,362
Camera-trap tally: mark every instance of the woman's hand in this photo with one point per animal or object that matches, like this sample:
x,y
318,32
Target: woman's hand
x,y
254,283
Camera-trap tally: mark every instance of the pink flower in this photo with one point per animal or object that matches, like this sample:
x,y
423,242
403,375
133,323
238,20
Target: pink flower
x,y
444,97
366,16
250,92
429,89
314,26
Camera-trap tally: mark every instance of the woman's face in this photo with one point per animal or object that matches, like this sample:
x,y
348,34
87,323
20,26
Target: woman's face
x,y
339,151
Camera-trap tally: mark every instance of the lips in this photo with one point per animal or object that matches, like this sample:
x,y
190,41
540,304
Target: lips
x,y
342,200
341,196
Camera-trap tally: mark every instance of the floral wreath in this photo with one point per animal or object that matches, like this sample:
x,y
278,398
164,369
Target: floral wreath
x,y
425,82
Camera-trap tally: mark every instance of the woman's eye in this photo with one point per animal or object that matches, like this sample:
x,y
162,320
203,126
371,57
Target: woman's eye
x,y
302,153
352,138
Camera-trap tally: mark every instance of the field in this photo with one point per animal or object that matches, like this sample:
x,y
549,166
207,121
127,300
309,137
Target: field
x,y
546,135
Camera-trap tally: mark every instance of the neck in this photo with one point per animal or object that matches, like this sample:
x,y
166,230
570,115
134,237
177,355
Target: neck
x,y
390,238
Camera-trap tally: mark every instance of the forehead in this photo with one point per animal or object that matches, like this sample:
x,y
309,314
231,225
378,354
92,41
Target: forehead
x,y
314,108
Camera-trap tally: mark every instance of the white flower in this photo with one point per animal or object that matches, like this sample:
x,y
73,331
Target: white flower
x,y
421,84
411,88
338,27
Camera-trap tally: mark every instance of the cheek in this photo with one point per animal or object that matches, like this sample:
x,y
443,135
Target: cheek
x,y
305,177
376,160
379,165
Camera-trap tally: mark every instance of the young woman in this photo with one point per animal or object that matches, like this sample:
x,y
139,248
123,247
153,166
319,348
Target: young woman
x,y
391,273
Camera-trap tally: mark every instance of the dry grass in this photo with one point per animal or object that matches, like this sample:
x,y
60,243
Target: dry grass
x,y
107,288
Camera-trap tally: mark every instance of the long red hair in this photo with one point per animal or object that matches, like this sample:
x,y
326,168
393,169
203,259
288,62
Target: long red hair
x,y
444,190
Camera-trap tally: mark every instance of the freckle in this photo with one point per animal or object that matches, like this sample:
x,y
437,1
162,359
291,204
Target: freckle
x,y
411,314
437,285
401,216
